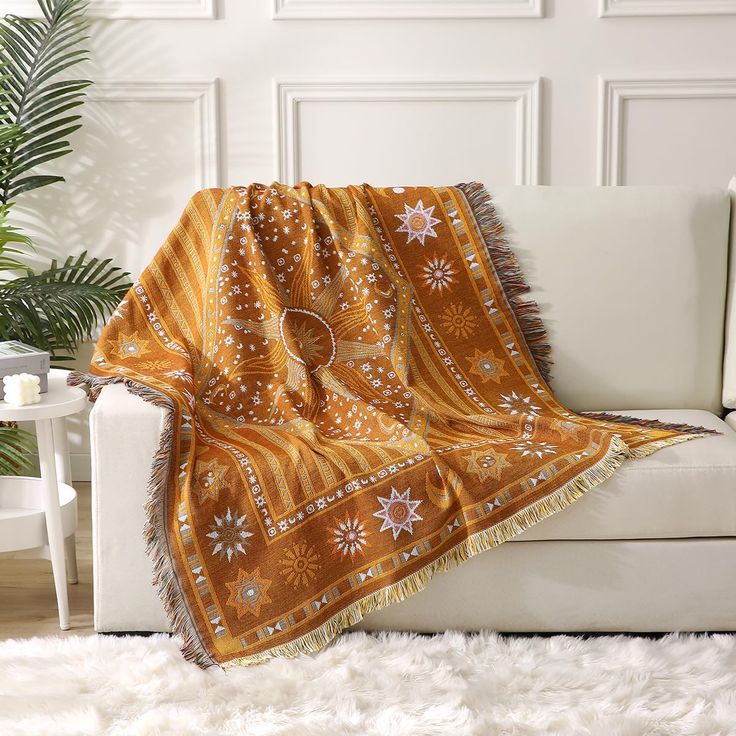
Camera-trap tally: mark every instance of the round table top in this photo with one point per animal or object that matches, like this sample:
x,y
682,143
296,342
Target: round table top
x,y
59,401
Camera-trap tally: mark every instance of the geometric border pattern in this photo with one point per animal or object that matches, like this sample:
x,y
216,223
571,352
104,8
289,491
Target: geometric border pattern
x,y
173,9
289,94
360,9
620,8
613,94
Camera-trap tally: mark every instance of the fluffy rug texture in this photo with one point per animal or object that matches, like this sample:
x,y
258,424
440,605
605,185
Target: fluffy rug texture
x,y
389,684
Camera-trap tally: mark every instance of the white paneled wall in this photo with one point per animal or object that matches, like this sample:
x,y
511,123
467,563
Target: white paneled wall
x,y
194,93
353,119
667,130
365,9
120,9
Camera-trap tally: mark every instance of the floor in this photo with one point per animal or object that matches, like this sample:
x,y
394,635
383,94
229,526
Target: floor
x,y
27,598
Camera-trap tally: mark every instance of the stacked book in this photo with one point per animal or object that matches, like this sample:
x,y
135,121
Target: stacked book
x,y
15,357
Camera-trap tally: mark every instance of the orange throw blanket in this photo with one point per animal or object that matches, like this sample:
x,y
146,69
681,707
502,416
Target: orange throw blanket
x,y
357,399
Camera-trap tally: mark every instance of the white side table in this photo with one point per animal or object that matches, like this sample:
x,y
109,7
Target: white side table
x,y
35,512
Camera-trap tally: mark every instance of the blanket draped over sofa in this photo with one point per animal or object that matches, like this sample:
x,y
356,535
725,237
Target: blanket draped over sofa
x,y
357,399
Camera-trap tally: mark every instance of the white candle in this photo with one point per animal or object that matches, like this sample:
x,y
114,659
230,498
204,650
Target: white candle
x,y
21,389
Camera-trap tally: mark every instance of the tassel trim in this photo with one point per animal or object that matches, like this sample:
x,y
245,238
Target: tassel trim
x,y
474,545
155,531
605,416
510,276
685,431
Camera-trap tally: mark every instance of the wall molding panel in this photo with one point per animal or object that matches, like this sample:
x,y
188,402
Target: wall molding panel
x,y
620,8
613,95
203,96
125,9
526,95
359,9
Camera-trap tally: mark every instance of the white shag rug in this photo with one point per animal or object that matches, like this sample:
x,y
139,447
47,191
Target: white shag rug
x,y
392,685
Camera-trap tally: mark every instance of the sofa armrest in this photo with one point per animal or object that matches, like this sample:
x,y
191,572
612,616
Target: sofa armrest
x,y
124,434
731,419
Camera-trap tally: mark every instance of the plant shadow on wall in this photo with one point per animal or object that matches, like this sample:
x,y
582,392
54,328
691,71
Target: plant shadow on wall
x,y
109,182
128,146
57,307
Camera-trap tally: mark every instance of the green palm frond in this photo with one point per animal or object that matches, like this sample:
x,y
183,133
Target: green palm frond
x,y
16,450
10,234
10,136
33,52
57,308
62,305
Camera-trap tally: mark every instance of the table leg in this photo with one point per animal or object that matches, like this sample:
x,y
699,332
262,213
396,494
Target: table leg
x,y
64,475
61,451
70,547
46,457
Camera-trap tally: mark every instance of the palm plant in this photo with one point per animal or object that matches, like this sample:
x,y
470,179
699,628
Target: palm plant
x,y
16,448
58,307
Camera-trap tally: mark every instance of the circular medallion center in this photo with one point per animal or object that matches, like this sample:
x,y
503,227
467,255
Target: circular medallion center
x,y
307,338
300,564
397,512
417,222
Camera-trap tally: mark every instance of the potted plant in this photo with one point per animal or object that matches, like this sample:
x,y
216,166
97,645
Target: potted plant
x,y
58,307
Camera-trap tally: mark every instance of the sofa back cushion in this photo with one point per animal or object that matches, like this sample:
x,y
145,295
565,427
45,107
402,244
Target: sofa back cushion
x,y
631,282
729,363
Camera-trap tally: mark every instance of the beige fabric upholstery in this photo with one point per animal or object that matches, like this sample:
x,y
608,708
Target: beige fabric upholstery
x,y
687,490
631,281
125,433
729,361
665,585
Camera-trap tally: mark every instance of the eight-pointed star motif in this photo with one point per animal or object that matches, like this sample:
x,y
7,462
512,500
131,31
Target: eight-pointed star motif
x,y
209,479
536,449
248,592
487,464
487,366
129,345
418,222
514,404
398,512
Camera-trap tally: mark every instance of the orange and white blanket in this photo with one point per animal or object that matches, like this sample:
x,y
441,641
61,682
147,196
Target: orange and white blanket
x,y
357,399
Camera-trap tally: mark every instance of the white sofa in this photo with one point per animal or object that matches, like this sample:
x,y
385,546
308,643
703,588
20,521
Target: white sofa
x,y
634,290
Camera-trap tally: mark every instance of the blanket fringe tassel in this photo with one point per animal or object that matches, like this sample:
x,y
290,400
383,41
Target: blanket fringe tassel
x,y
686,431
510,275
473,545
155,532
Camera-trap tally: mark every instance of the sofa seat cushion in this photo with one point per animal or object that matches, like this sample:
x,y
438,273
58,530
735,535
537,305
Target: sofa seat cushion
x,y
686,490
